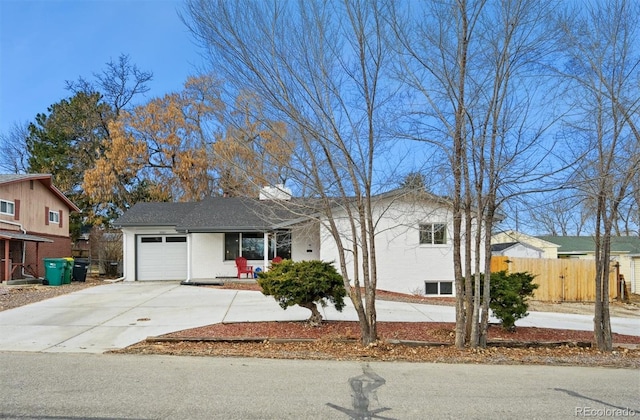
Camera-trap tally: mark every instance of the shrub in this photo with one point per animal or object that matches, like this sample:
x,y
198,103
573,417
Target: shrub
x,y
304,283
509,294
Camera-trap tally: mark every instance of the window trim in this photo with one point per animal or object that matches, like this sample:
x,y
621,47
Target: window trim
x,y
56,219
422,230
8,203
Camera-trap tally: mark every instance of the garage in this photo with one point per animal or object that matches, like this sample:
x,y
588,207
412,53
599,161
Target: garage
x,y
161,257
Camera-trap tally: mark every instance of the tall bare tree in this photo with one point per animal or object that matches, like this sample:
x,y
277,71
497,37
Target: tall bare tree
x,y
318,66
14,157
471,65
119,83
602,67
560,213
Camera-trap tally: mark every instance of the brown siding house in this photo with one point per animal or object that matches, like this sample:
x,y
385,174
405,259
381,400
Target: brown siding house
x,y
34,224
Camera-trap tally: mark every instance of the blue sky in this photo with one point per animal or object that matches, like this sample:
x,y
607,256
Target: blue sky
x,y
43,43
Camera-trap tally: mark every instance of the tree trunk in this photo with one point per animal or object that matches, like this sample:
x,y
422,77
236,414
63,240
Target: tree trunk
x,y
316,317
602,320
459,143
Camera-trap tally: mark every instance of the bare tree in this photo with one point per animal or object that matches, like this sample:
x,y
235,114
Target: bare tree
x,y
119,83
319,67
603,69
14,157
471,66
562,213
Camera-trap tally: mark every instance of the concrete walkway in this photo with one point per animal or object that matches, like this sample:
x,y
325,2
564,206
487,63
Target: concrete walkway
x,y
117,315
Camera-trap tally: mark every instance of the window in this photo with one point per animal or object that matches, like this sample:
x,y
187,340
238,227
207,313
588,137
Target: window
x,y
438,288
250,245
176,239
433,233
54,217
231,246
282,245
7,207
253,246
151,240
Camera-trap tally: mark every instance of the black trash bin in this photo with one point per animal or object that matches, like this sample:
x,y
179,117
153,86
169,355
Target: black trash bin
x,y
80,267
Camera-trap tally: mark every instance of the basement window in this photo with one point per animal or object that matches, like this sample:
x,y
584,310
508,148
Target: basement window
x,y
438,288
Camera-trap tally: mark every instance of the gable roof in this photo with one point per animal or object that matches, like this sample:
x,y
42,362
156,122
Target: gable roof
x,y
213,214
586,244
506,245
44,179
510,236
503,246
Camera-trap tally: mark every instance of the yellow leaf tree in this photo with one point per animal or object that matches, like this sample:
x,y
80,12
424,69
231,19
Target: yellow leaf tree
x,y
254,151
186,146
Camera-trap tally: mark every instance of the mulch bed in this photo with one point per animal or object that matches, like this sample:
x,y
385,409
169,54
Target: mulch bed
x,y
429,332
409,342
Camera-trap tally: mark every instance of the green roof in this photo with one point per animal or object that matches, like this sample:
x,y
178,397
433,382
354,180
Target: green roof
x,y
586,244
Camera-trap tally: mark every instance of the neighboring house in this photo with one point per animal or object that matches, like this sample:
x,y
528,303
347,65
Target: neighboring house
x,y
516,249
34,224
193,241
547,249
625,250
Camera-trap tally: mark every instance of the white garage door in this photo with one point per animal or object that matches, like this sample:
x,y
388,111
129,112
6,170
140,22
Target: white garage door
x,y
161,257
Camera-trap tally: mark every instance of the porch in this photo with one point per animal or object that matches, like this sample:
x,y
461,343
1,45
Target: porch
x,y
14,257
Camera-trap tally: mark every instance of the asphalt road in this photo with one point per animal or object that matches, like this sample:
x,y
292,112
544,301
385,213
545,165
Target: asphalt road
x,y
91,386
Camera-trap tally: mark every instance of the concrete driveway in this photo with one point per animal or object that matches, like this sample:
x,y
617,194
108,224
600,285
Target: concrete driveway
x,y
114,316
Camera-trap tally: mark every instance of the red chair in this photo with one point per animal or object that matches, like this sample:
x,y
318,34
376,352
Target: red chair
x,y
243,268
276,260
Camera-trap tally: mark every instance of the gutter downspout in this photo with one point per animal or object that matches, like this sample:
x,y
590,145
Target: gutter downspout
x,y
24,248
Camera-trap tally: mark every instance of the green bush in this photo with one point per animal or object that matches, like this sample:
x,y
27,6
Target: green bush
x,y
509,294
304,283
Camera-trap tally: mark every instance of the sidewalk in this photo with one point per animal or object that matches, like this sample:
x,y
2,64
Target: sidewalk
x,y
114,316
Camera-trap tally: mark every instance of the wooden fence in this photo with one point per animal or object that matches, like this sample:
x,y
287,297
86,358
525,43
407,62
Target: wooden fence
x,y
559,280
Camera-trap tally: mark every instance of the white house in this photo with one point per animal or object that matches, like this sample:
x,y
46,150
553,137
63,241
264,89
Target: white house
x,y
537,247
516,249
197,241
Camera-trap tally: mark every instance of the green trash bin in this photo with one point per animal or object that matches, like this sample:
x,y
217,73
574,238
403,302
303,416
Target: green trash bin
x,y
68,270
54,271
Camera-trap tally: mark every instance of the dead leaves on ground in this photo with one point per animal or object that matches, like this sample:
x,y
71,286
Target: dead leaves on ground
x,y
338,340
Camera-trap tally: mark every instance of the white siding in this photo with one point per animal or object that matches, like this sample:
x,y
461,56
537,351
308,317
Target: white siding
x,y
635,276
207,255
305,242
403,263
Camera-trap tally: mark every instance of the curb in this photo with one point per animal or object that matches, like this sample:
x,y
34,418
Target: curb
x,y
409,343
